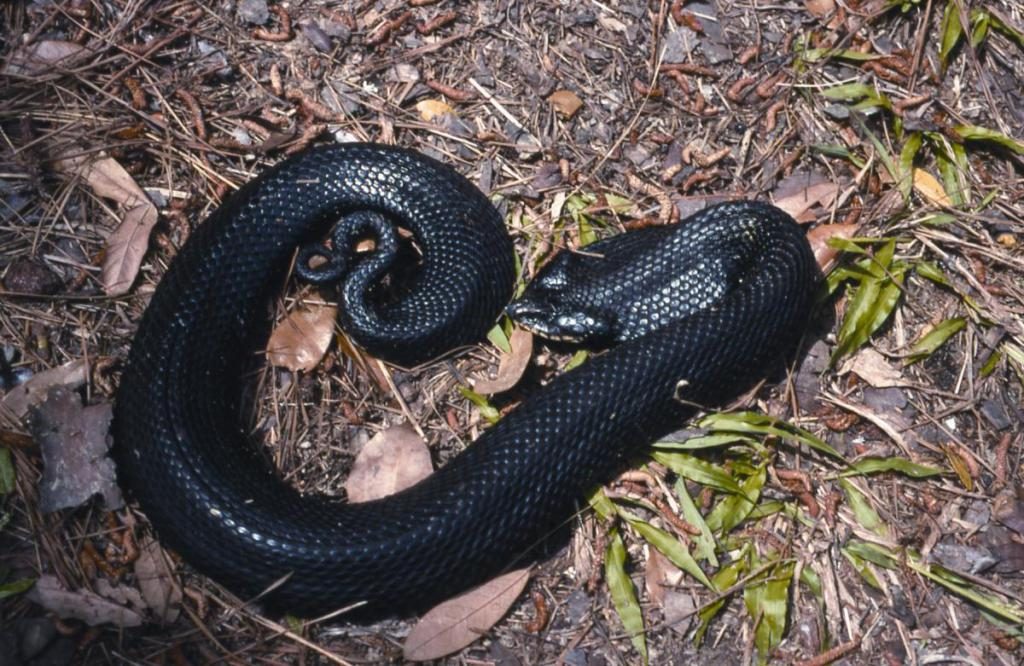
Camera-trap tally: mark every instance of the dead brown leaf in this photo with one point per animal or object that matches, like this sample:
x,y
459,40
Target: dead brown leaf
x,y
819,236
820,8
74,441
458,622
301,339
20,398
566,102
81,605
127,245
662,579
159,587
872,367
930,188
392,460
431,109
41,57
512,365
799,203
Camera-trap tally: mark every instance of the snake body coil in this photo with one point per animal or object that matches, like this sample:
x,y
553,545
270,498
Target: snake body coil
x,y
702,308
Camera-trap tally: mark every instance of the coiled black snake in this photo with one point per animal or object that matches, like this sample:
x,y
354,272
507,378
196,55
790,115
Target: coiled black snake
x,y
699,310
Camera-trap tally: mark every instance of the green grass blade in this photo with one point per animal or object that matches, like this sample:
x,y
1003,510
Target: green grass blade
x,y
623,593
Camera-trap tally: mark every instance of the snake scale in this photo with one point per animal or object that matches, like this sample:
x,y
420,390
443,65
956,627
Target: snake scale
x,y
694,313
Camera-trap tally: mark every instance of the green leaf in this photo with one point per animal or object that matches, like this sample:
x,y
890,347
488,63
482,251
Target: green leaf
x,y
980,21
952,32
812,580
861,566
16,587
873,553
907,157
734,509
872,303
620,205
975,133
6,472
704,442
875,465
767,602
498,338
935,338
836,150
951,581
849,92
698,470
669,546
601,503
722,579
622,592
486,409
577,360
817,55
703,543
862,509
931,271
759,424
1006,29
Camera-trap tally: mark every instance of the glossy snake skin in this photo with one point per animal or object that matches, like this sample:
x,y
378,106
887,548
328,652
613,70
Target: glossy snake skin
x,y
695,313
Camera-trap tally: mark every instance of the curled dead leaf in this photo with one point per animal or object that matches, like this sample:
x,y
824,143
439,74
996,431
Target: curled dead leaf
x,y
19,399
300,340
127,245
819,236
431,109
566,102
512,365
392,460
157,583
456,623
930,188
82,605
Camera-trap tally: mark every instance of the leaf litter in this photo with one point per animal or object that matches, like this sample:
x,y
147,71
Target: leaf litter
x,y
893,129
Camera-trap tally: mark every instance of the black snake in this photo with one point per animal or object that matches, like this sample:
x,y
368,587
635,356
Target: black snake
x,y
699,310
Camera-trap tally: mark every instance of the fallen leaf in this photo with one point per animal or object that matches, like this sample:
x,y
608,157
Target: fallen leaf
x,y
41,57
301,339
430,109
81,605
611,23
392,460
820,8
566,102
799,203
930,188
22,397
127,245
74,441
456,623
120,594
512,365
159,587
872,367
662,579
819,236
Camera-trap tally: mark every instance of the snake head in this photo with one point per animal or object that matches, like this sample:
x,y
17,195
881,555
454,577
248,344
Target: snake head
x,y
554,307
